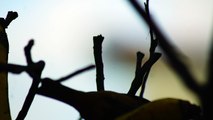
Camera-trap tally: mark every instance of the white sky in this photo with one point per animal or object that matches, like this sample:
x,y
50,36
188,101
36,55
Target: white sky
x,y
63,31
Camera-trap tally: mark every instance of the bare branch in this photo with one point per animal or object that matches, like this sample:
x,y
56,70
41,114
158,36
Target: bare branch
x,y
27,51
138,82
34,70
153,45
4,50
171,52
10,17
16,69
99,62
75,73
137,78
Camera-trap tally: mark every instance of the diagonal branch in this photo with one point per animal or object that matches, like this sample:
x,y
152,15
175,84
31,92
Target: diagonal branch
x,y
99,62
75,73
10,17
137,78
137,82
153,45
34,70
171,52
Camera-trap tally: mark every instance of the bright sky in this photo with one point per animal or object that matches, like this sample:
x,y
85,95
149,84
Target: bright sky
x,y
63,32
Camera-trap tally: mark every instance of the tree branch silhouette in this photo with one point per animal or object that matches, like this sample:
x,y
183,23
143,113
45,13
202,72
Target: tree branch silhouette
x,y
153,45
97,40
138,77
4,49
142,73
75,73
100,105
35,71
138,82
204,92
103,105
170,51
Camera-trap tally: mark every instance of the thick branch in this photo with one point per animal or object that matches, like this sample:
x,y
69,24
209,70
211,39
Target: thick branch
x,y
16,69
4,49
103,105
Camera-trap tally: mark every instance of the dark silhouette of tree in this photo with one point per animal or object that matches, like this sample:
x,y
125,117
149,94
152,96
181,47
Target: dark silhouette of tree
x,y
141,73
109,105
102,105
204,92
4,48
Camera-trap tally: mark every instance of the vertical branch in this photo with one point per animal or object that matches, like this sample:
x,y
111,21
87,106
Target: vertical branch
x,y
170,51
34,70
153,46
98,61
142,74
203,92
4,48
136,81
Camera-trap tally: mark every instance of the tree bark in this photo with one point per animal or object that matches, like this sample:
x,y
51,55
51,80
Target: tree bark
x,y
4,101
4,48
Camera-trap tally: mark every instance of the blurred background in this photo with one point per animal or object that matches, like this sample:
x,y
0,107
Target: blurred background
x,y
63,31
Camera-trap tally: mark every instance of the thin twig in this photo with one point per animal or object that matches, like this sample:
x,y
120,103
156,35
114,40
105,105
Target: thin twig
x,y
137,78
153,46
98,61
76,73
171,52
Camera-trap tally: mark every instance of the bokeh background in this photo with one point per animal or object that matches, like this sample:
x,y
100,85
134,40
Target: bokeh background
x,y
63,31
